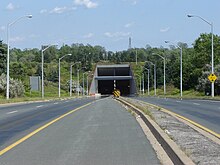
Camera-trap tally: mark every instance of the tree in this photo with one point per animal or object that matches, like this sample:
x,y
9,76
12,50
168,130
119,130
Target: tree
x,y
3,53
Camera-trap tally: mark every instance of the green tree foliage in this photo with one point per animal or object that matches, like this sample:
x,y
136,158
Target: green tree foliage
x,y
196,62
3,53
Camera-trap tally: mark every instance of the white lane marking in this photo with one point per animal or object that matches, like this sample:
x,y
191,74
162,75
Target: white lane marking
x,y
56,103
196,103
212,101
11,112
66,101
178,101
39,106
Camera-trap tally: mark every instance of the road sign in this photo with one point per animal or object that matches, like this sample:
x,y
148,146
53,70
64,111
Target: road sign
x,y
116,93
212,77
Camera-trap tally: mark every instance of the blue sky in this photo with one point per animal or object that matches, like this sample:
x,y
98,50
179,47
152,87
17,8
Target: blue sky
x,y
108,23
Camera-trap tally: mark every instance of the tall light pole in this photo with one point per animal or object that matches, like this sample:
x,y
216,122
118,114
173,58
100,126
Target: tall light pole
x,y
8,51
87,83
140,84
71,72
155,79
59,69
181,69
164,73
212,58
84,83
148,82
136,56
143,83
42,68
78,79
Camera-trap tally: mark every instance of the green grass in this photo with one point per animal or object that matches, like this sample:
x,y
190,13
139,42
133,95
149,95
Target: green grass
x,y
50,93
172,92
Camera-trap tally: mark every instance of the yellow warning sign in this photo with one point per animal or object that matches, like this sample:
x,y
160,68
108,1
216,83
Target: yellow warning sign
x,y
212,77
116,93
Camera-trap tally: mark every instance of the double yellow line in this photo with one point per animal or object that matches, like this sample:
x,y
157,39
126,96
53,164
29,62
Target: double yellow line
x,y
38,130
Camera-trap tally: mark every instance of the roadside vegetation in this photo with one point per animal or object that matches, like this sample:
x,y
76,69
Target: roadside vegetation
x,y
196,67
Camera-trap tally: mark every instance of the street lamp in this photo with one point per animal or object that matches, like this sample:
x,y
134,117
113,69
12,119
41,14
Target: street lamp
x,y
155,79
87,84
140,83
143,83
164,72
59,68
212,58
136,56
42,68
84,82
78,80
181,69
8,47
148,83
71,72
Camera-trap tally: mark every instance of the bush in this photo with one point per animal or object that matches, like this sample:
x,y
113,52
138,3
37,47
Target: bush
x,y
16,88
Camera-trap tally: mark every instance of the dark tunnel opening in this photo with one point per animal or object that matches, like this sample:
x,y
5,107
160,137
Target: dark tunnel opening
x,y
106,87
123,86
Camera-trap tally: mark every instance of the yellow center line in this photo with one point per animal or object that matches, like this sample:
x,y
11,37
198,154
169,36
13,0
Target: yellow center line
x,y
38,130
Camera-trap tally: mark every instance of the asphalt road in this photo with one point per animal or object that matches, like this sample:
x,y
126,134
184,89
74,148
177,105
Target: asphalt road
x,y
17,120
103,133
204,112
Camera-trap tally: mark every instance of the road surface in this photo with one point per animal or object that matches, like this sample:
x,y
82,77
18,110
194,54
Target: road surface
x,y
204,112
17,120
102,133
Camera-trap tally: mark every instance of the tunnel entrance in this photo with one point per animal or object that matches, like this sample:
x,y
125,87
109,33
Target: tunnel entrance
x,y
105,87
108,77
123,86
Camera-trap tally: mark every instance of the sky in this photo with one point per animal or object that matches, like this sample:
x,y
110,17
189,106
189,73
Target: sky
x,y
108,23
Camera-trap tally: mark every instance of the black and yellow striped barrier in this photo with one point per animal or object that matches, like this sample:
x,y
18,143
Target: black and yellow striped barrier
x,y
116,93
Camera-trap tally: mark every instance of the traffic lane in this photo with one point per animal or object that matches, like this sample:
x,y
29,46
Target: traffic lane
x,y
17,126
207,115
13,110
204,104
101,133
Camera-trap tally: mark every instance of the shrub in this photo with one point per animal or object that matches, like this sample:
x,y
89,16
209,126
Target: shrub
x,y
16,88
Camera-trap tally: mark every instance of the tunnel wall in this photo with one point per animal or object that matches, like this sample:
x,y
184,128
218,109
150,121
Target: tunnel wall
x,y
108,77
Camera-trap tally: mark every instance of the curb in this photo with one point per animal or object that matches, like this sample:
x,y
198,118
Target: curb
x,y
173,151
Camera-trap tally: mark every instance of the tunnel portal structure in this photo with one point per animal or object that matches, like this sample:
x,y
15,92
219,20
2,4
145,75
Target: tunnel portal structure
x,y
109,77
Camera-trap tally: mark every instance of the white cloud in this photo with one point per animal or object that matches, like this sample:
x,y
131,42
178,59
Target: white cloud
x,y
163,30
89,35
17,39
129,25
117,34
59,10
10,7
2,28
87,3
133,2
43,11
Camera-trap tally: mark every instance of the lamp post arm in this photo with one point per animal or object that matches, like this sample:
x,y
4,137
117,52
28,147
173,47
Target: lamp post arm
x,y
202,19
158,55
18,19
